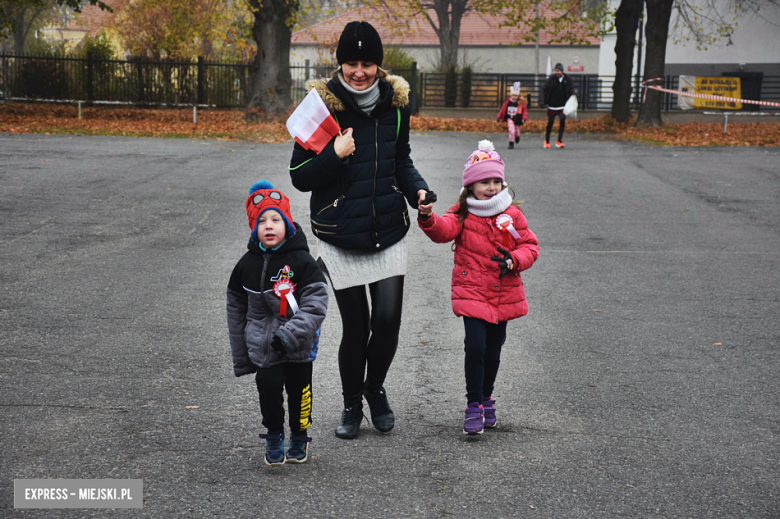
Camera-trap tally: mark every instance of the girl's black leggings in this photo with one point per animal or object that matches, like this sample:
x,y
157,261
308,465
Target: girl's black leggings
x,y
561,127
370,337
483,355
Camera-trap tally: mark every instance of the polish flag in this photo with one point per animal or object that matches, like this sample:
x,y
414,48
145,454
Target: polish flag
x,y
311,124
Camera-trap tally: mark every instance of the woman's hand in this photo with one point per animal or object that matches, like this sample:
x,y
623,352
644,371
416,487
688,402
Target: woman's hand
x,y
344,144
425,210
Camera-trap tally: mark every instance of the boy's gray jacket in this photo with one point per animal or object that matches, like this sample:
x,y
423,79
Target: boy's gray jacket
x,y
253,307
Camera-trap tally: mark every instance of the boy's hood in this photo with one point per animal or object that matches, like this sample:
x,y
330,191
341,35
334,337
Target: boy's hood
x,y
296,242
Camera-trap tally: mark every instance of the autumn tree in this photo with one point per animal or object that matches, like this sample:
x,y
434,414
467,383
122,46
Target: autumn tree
x,y
562,19
701,22
626,20
273,24
19,17
170,29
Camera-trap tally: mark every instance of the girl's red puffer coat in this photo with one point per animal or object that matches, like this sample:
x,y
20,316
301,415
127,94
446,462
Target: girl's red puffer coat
x,y
476,290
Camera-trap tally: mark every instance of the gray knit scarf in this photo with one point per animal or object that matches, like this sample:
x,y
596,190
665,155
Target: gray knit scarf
x,y
365,99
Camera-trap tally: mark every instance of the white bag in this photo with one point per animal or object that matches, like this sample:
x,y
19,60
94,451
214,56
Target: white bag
x,y
570,108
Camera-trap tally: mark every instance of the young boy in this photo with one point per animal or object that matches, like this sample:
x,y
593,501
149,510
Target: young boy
x,y
515,113
276,302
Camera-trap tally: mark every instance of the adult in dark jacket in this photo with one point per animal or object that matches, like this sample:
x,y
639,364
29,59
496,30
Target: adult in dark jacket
x,y
555,92
360,184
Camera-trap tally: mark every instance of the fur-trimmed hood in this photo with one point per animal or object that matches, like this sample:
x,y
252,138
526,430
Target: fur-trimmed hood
x,y
399,85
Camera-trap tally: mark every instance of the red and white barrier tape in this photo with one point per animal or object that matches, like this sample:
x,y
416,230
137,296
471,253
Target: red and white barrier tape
x,y
701,96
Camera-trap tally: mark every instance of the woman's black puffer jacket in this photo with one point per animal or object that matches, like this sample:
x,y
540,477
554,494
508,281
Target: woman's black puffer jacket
x,y
360,202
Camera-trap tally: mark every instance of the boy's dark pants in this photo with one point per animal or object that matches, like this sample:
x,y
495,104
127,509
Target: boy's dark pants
x,y
483,355
296,378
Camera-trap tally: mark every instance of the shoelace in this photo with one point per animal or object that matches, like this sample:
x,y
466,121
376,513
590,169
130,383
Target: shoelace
x,y
380,403
351,415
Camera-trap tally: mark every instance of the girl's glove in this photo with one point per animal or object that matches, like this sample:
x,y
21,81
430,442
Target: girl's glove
x,y
430,198
504,262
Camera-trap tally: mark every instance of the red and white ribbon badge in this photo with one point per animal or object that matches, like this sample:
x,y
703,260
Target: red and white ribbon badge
x,y
504,222
284,288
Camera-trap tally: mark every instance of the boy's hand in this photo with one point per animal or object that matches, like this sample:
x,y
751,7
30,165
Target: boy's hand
x,y
425,204
344,144
504,261
282,344
246,368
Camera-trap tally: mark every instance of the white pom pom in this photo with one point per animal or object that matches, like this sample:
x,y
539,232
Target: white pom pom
x,y
486,145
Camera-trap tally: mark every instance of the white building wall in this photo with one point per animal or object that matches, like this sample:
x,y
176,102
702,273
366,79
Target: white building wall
x,y
755,43
502,59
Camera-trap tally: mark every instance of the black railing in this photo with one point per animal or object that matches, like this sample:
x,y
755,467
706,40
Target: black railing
x,y
141,82
229,85
125,81
595,92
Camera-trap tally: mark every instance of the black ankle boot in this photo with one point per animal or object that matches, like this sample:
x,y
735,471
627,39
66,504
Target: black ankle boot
x,y
381,415
351,418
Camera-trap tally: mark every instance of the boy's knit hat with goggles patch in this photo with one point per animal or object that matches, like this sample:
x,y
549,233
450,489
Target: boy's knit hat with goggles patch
x,y
262,197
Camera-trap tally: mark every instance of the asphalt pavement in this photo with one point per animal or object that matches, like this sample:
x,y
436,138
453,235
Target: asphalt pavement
x,y
642,383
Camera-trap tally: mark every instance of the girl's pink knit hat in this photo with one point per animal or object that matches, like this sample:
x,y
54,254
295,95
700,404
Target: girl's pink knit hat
x,y
483,164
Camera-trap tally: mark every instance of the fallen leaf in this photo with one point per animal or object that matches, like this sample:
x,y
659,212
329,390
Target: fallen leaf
x,y
718,344
192,407
532,507
224,125
596,310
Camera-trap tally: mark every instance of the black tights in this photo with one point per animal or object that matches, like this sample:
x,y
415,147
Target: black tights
x,y
561,127
369,339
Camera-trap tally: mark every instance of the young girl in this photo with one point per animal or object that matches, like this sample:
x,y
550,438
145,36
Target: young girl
x,y
515,112
492,246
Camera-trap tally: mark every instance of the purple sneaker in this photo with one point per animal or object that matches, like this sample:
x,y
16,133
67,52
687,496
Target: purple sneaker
x,y
473,424
489,408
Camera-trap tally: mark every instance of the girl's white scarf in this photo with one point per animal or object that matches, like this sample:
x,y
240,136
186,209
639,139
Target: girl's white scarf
x,y
490,207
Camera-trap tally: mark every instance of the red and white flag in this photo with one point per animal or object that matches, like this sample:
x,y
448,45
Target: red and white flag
x,y
311,124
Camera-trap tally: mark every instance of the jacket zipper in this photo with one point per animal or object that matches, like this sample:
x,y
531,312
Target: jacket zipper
x,y
376,168
315,222
335,203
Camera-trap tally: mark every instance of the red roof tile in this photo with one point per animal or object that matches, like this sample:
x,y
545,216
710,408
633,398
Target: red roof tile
x,y
93,18
476,30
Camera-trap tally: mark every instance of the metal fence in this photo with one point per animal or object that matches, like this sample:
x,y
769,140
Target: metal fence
x,y
225,85
131,81
229,85
595,92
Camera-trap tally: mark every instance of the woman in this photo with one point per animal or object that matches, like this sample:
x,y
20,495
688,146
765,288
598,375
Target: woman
x,y
360,184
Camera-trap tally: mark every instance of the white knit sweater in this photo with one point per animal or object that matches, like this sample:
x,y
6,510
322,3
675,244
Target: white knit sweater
x,y
349,268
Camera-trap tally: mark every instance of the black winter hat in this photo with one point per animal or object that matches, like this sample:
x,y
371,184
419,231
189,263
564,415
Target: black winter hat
x,y
558,66
360,42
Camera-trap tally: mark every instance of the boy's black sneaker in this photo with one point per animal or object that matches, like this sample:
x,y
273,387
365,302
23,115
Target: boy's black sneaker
x,y
299,448
274,448
381,415
351,418
511,145
517,139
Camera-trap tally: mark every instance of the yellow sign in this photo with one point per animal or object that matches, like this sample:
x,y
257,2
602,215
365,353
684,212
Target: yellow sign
x,y
718,86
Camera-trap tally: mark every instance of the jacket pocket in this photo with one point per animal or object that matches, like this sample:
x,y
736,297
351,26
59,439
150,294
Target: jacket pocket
x,y
323,228
254,337
331,205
